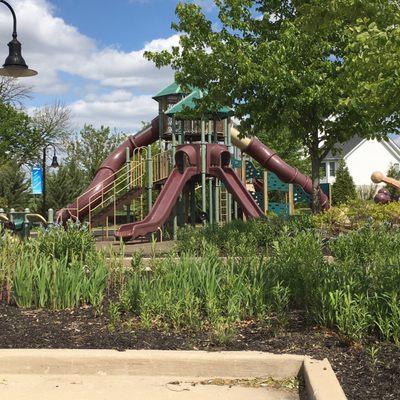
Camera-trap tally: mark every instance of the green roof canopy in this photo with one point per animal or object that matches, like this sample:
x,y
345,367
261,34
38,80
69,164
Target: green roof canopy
x,y
173,88
189,103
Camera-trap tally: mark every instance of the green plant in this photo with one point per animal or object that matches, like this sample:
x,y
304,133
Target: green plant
x,y
344,188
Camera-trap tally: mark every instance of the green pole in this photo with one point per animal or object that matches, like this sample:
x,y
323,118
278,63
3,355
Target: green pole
x,y
149,178
228,144
210,181
216,184
50,220
175,221
128,180
193,203
203,167
235,204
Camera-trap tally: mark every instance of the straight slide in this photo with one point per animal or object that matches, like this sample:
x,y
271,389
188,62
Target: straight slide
x,y
162,208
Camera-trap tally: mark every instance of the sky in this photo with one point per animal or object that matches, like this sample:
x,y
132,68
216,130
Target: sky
x,y
89,55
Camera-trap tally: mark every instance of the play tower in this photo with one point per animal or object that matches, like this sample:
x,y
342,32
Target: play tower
x,y
192,166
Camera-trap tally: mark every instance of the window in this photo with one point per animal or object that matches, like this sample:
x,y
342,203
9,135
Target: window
x,y
323,170
332,168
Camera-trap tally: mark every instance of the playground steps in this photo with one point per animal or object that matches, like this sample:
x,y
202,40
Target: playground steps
x,y
223,204
100,218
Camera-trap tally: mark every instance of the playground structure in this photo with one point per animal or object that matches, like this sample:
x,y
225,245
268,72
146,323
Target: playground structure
x,y
189,162
22,222
384,196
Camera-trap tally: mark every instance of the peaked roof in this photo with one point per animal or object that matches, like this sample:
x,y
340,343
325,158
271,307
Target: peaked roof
x,y
172,88
344,149
189,102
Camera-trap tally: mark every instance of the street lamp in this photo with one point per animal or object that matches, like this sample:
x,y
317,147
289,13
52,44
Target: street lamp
x,y
15,66
54,164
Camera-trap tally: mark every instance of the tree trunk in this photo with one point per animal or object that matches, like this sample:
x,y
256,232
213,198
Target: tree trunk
x,y
315,175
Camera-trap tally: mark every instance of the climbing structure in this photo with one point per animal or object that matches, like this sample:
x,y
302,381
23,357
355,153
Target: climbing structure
x,y
186,163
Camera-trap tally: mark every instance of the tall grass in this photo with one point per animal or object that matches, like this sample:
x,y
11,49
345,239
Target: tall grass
x,y
54,271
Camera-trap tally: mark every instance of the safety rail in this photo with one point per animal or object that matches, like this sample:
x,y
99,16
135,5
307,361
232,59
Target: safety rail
x,y
128,177
162,165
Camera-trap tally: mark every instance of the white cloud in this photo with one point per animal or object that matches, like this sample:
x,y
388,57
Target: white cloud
x,y
53,47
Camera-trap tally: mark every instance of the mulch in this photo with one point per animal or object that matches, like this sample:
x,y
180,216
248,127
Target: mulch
x,y
361,376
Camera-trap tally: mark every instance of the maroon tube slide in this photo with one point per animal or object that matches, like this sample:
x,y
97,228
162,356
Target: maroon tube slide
x,y
79,208
162,208
272,162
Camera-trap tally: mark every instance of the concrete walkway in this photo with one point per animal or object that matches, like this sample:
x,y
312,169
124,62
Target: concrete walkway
x,y
90,387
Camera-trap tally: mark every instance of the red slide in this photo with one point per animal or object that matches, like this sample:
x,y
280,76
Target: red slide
x,y
162,208
105,176
238,190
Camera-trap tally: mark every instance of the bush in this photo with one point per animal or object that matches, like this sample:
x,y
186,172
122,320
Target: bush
x,y
74,242
343,189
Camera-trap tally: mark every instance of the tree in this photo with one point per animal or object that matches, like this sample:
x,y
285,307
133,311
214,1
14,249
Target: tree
x,y
344,188
13,92
65,185
19,140
91,147
14,187
53,122
294,66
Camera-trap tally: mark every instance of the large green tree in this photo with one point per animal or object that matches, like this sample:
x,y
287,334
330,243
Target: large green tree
x,y
19,139
316,69
14,186
91,147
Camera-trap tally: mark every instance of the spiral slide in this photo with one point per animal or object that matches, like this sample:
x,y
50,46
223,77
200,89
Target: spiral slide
x,y
272,162
79,209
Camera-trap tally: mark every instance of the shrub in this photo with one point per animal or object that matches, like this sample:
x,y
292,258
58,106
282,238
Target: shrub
x,y
343,189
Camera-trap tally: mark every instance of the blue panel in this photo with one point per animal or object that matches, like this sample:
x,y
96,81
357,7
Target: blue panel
x,y
37,180
279,208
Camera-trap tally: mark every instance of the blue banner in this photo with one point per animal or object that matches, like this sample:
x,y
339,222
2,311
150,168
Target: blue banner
x,y
37,180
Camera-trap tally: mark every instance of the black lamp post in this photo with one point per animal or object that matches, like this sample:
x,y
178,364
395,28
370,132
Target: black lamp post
x,y
54,164
15,66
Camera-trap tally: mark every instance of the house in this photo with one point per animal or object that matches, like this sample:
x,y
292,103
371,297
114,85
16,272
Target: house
x,y
362,157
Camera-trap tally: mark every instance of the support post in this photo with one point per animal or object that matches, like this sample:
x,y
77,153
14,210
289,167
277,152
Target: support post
x,y
50,220
228,143
193,203
175,220
149,168
210,181
291,199
203,167
128,181
265,190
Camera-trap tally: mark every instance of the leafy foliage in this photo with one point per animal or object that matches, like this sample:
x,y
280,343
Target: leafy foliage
x,y
294,66
14,188
344,188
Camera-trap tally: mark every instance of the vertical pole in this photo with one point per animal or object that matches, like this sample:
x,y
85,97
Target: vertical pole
x,y
210,181
175,221
291,199
128,181
203,167
193,203
50,220
44,182
149,168
217,184
227,141
160,120
235,204
266,200
25,229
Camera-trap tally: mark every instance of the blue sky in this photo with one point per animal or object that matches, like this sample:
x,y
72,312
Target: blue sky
x,y
89,54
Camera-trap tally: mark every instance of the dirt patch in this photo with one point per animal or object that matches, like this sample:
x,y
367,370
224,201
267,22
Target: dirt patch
x,y
361,374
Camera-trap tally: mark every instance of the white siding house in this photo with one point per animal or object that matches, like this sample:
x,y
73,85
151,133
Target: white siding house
x,y
362,157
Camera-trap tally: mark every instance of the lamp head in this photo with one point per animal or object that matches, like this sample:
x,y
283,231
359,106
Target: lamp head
x,y
15,65
54,163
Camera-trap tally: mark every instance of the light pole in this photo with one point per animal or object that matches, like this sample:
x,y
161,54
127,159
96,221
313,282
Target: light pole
x,y
54,164
15,66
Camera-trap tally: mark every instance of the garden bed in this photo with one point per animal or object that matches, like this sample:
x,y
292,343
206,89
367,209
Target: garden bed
x,y
361,373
